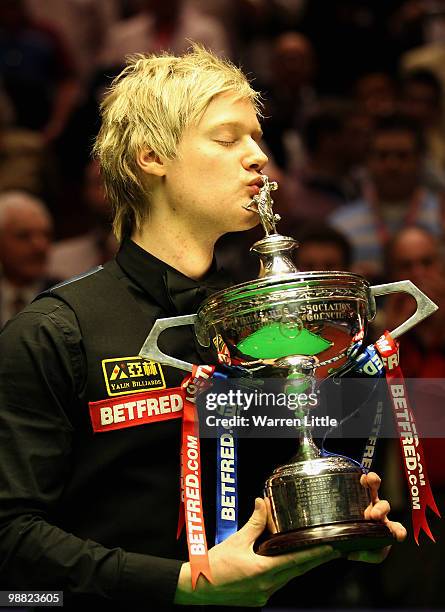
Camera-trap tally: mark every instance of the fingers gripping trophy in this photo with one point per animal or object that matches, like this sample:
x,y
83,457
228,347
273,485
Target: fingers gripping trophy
x,y
297,325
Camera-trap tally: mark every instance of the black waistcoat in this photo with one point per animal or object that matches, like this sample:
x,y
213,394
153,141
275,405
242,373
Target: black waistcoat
x,y
124,486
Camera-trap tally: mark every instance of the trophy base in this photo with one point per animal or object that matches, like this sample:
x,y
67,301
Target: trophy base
x,y
345,537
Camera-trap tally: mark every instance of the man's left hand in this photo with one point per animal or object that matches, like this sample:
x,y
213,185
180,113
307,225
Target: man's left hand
x,y
377,510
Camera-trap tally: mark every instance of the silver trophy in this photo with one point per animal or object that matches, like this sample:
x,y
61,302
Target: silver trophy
x,y
305,326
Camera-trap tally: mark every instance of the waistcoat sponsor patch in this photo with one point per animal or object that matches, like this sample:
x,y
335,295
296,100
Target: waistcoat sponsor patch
x,y
150,407
128,375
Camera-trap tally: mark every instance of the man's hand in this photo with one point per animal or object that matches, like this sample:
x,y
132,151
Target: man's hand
x,y
240,576
377,510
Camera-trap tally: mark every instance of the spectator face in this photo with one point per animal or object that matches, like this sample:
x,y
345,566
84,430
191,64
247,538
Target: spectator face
x,y
415,256
293,63
420,102
320,256
25,239
394,164
376,94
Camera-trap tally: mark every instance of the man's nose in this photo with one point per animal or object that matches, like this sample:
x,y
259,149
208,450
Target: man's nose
x,y
255,159
40,242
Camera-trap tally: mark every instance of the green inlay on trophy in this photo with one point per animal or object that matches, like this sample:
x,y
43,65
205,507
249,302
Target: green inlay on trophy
x,y
270,342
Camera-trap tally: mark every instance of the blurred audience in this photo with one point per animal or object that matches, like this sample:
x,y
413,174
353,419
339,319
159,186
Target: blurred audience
x,y
322,248
426,48
335,142
394,196
155,26
36,70
224,12
351,38
256,25
82,23
289,97
76,255
422,100
24,162
407,24
25,240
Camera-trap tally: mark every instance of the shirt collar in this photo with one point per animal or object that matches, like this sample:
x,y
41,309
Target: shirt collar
x,y
172,290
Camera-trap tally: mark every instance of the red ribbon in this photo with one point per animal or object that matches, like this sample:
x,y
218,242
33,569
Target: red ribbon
x,y
154,406
410,444
190,510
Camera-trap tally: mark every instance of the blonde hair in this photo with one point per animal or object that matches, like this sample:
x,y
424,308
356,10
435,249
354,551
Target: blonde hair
x,y
148,106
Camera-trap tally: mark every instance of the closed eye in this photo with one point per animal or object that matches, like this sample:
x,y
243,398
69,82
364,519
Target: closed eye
x,y
225,143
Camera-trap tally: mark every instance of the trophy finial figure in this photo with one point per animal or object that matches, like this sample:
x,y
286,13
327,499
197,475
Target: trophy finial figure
x,y
263,203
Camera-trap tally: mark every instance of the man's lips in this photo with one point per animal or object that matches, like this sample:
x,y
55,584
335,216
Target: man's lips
x,y
253,189
255,185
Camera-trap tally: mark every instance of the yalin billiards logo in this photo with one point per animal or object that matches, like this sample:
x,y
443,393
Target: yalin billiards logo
x,y
125,375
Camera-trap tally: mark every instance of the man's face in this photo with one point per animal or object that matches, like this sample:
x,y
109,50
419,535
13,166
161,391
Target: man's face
x,y
25,239
210,181
394,164
420,103
376,94
293,61
415,256
320,256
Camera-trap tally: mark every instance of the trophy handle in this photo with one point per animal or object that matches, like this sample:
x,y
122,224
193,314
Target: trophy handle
x,y
150,349
425,306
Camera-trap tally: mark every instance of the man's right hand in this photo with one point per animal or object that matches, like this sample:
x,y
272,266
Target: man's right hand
x,y
240,576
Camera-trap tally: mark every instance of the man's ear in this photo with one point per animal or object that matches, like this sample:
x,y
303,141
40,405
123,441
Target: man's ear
x,y
150,163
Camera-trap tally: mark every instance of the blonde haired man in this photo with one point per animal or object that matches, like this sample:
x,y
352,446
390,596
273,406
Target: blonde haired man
x,y
150,107
95,514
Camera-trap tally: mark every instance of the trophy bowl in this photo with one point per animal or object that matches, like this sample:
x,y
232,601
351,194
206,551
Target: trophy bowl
x,y
306,325
267,325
